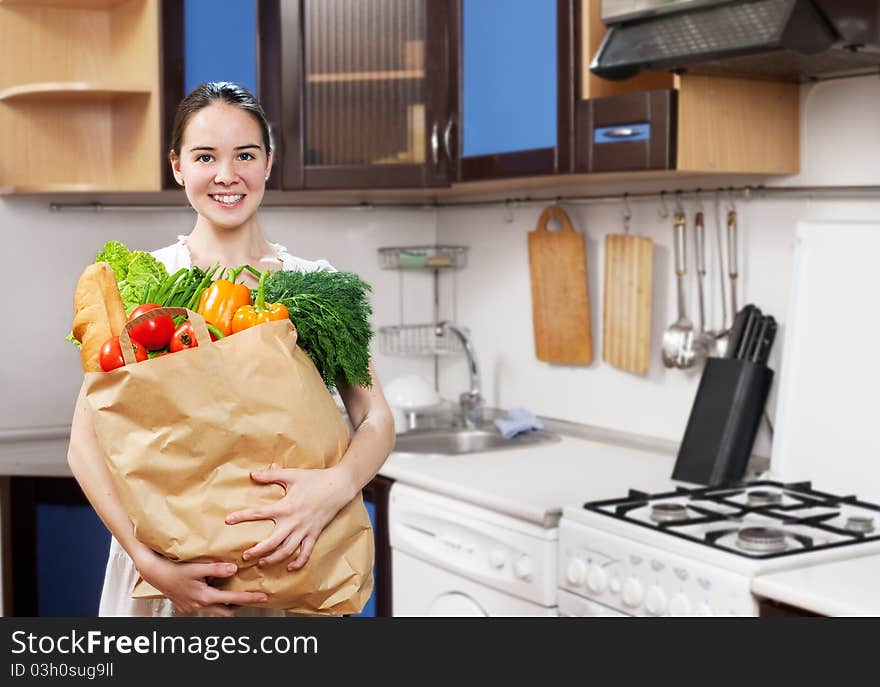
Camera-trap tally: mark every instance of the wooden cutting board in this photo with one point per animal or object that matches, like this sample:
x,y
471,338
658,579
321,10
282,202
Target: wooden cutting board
x,y
560,296
626,314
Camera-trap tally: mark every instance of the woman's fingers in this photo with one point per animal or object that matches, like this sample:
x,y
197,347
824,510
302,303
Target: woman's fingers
x,y
199,570
212,596
304,552
248,514
285,551
280,476
272,542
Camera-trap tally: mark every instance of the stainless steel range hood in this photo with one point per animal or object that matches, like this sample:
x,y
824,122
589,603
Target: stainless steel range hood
x,y
791,40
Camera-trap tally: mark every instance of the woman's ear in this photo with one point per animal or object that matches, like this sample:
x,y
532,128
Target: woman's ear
x,y
175,167
269,164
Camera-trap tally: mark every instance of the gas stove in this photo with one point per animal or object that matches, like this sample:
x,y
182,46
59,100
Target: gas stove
x,y
695,550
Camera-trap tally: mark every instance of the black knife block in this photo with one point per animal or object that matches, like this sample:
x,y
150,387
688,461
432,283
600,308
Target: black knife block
x,y
723,423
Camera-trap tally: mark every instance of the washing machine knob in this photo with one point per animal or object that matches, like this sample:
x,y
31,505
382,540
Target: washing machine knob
x,y
524,568
497,558
597,579
632,593
655,601
575,572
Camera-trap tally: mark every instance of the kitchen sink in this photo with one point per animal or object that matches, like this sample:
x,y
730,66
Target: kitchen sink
x,y
460,440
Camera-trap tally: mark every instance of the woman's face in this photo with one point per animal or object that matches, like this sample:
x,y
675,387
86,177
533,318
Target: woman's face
x,y
223,164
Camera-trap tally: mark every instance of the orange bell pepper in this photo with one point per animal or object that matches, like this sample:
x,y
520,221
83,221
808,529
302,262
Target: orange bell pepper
x,y
221,299
248,316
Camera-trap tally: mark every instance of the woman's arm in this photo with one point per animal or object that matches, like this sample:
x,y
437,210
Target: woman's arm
x,y
183,583
313,497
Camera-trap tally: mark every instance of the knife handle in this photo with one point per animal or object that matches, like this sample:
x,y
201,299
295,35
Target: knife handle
x,y
736,331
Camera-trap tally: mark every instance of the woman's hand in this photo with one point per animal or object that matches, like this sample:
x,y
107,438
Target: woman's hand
x,y
185,584
311,499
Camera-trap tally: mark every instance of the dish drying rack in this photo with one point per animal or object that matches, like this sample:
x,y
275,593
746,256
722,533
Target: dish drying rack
x,y
422,339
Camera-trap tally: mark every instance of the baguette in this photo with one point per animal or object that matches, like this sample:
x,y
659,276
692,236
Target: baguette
x,y
98,312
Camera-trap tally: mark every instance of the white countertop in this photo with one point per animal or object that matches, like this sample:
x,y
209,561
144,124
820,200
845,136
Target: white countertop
x,y
534,483
847,587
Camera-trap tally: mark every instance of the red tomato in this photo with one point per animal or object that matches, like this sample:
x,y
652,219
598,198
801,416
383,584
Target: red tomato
x,y
156,332
184,337
111,354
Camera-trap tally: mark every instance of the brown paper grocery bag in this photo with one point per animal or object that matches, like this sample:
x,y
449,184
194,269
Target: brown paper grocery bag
x,y
182,433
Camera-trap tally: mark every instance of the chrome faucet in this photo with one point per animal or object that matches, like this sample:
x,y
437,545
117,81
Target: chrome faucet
x,y
471,401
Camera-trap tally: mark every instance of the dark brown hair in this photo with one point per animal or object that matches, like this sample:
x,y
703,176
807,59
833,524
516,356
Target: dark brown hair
x,y
218,91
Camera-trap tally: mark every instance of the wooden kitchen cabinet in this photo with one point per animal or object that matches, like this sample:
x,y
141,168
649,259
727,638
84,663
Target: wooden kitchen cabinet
x,y
688,123
359,91
79,95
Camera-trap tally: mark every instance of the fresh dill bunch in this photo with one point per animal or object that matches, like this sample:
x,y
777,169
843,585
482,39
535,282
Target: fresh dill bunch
x,y
330,311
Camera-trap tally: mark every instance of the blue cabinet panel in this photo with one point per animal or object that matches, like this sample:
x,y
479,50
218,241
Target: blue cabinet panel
x,y
509,69
220,42
72,548
370,607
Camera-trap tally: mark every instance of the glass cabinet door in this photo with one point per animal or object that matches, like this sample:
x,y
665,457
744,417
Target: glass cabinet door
x,y
373,93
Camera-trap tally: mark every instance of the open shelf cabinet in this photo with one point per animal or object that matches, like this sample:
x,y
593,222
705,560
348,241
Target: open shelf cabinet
x,y
79,97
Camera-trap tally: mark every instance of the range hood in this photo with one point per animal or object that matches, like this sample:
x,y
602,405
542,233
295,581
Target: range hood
x,y
788,40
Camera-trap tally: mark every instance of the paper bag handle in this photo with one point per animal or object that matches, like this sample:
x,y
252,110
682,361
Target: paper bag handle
x,y
198,323
557,213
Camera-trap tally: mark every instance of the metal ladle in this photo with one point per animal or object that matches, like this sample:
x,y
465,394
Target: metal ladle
x,y
708,342
677,349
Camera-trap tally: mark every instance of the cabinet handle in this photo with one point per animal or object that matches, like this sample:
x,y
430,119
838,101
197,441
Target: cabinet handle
x,y
447,137
435,144
621,133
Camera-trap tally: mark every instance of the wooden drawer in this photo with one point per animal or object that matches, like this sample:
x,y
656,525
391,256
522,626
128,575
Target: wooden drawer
x,y
626,133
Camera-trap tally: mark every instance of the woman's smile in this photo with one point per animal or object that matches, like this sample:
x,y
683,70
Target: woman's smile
x,y
229,200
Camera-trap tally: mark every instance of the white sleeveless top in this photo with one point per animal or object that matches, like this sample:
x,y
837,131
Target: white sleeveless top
x,y
177,256
121,575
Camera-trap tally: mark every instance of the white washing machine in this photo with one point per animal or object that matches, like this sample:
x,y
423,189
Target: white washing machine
x,y
451,558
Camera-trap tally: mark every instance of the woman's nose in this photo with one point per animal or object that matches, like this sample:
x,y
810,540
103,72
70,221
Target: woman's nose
x,y
225,173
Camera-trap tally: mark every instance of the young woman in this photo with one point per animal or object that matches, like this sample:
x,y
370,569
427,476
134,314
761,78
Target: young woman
x,y
222,155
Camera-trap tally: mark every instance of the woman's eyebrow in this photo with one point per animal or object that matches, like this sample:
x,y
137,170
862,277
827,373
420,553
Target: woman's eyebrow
x,y
211,148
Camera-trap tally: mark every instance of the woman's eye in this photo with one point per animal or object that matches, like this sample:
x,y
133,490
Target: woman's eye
x,y
204,158
246,156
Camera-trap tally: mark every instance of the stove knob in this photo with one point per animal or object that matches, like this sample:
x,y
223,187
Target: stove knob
x,y
497,558
655,601
523,568
597,579
704,609
679,605
632,593
575,572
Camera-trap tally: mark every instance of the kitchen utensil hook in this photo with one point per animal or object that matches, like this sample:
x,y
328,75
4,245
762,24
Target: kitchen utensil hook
x,y
627,213
731,202
664,211
679,208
